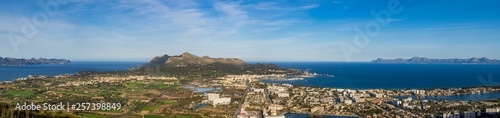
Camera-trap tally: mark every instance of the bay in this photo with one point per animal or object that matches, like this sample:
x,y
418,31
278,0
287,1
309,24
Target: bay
x,y
10,73
362,75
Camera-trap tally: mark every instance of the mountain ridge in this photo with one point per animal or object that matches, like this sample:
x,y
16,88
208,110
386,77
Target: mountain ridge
x,y
205,66
9,61
187,58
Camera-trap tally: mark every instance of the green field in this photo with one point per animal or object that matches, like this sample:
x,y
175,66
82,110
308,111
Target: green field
x,y
150,108
22,94
154,116
88,115
172,102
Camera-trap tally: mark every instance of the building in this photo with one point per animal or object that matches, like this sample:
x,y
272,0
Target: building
x,y
212,96
317,109
348,102
258,90
472,114
492,110
283,94
358,99
221,101
396,102
451,115
274,107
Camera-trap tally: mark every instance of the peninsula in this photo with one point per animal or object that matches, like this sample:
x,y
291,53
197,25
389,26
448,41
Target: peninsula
x,y
8,61
424,60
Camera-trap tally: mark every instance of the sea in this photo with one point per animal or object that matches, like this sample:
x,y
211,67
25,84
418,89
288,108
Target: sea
x,y
365,75
10,73
353,75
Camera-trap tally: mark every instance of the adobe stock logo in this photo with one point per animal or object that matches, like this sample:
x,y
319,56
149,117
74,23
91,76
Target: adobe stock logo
x,y
39,19
371,29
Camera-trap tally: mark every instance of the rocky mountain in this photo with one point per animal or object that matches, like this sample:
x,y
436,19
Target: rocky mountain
x,y
423,60
187,59
8,61
189,64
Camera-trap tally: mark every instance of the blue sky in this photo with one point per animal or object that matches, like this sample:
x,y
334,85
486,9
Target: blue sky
x,y
308,30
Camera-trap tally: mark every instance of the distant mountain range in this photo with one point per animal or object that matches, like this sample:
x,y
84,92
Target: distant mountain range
x,y
423,60
8,61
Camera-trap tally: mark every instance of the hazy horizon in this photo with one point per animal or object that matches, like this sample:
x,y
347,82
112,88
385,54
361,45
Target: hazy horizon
x,y
333,31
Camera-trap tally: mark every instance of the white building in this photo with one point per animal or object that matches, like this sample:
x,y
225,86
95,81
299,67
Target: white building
x,y
471,114
283,94
492,110
221,101
212,96
409,99
396,102
357,99
258,90
348,101
275,107
451,115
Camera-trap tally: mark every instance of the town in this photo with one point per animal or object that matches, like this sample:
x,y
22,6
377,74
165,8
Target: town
x,y
241,96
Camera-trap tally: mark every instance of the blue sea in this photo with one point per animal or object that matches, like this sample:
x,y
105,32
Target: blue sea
x,y
347,75
10,73
395,76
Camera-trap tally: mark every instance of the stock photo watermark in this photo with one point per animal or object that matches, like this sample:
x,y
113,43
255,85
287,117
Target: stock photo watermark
x,y
371,29
39,19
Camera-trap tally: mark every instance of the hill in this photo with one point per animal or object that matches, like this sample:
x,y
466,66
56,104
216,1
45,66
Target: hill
x,y
189,64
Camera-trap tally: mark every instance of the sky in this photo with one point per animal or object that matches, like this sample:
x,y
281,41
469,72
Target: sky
x,y
281,30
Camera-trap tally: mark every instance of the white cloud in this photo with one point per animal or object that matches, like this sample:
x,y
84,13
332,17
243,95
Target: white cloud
x,y
282,7
231,14
310,6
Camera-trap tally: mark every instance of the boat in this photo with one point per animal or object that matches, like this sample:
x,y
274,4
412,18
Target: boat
x,y
327,75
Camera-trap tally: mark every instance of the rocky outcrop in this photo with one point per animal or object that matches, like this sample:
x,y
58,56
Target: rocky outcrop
x,y
423,60
8,61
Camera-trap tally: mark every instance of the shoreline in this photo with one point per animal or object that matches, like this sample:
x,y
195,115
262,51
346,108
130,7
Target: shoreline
x,y
382,88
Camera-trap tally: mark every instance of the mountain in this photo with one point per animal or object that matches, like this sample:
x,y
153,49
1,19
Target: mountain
x,y
8,61
187,59
189,64
423,60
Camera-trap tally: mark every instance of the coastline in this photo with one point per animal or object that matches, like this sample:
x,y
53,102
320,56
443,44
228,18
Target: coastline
x,y
11,73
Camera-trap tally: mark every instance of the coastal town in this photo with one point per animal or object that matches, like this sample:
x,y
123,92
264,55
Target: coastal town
x,y
245,96
273,100
189,86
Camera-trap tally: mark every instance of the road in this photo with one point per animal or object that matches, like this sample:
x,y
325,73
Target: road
x,y
242,100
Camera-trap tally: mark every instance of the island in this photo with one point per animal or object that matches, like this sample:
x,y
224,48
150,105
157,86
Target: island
x,y
424,60
9,61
